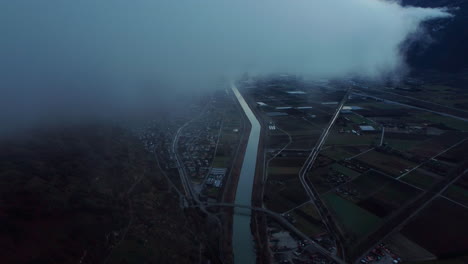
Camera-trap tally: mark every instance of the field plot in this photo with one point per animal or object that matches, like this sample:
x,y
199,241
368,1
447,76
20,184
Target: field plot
x,y
344,170
284,170
281,196
342,152
407,249
456,154
328,174
287,162
337,138
388,163
458,192
357,221
277,141
455,260
436,145
370,181
308,220
449,122
304,141
404,142
440,228
389,198
420,178
377,193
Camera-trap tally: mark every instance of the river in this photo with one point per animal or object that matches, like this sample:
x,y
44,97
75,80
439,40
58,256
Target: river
x,y
242,240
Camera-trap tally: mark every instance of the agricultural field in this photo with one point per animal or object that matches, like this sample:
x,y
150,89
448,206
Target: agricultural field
x,y
449,122
281,196
387,163
344,152
458,191
440,228
420,178
402,141
436,145
357,221
350,139
407,249
377,193
389,198
307,219
307,141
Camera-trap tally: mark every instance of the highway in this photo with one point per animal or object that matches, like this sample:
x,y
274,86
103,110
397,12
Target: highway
x,y
311,192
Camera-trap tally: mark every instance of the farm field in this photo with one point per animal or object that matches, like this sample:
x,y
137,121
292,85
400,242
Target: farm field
x,y
420,178
281,196
457,193
336,138
308,220
342,152
387,163
440,222
357,221
389,198
407,249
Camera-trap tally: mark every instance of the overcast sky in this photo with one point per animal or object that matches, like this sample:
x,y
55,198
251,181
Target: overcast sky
x,y
68,55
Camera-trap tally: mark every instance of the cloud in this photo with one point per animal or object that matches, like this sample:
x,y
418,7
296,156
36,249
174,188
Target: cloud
x,y
95,55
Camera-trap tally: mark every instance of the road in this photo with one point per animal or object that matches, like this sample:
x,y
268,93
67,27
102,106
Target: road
x,y
311,192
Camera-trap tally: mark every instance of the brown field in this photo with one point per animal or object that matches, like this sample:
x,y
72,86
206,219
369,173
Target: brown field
x,y
287,162
457,193
307,141
389,197
308,220
434,146
283,196
343,152
407,249
420,178
440,228
387,163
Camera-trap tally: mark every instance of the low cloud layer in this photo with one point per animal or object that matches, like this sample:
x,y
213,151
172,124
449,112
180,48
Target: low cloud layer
x,y
73,56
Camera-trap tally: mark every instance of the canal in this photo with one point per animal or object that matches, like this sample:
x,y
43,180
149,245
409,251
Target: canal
x,y
242,240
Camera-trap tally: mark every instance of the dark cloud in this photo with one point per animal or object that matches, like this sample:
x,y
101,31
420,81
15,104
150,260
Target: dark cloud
x,y
88,56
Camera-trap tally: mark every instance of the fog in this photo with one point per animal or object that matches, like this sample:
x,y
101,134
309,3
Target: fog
x,y
67,58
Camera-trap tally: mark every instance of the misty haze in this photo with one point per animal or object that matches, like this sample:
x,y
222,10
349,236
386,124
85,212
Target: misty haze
x,y
269,131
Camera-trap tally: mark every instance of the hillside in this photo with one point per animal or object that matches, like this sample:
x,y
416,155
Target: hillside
x,y
86,195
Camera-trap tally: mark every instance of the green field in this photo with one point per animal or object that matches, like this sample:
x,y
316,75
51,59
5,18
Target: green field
x,y
354,219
